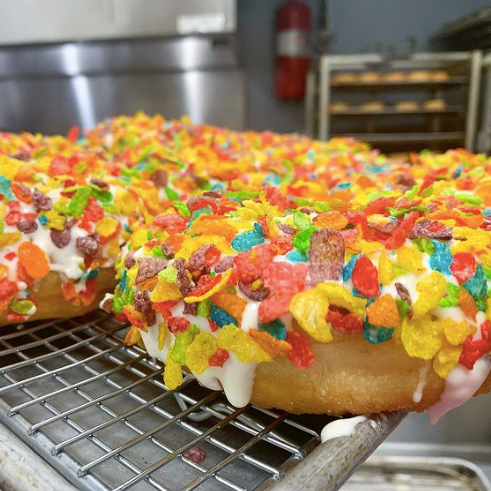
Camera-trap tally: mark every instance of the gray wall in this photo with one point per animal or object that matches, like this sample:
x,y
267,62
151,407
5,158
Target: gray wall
x,y
357,25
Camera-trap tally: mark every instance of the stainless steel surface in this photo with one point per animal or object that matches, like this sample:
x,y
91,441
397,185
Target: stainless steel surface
x,y
484,132
54,21
99,413
464,69
418,474
50,88
472,104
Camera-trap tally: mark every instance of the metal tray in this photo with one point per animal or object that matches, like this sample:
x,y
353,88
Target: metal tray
x,y
417,474
99,413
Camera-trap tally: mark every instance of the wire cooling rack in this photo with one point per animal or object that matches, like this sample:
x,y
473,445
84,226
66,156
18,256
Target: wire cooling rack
x,y
99,412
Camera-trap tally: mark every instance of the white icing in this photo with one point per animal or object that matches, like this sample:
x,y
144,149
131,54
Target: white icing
x,y
250,316
341,427
423,376
460,386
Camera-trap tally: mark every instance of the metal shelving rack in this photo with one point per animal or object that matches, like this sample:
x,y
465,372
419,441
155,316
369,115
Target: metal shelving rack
x,y
99,413
463,68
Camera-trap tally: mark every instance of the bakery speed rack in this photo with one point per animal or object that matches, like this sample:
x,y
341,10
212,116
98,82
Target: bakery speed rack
x,y
99,413
399,102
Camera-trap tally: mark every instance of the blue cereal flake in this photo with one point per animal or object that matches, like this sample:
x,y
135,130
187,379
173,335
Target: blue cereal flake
x,y
122,281
442,258
248,240
272,179
376,335
220,317
350,266
477,287
91,273
276,328
43,219
343,185
5,188
296,256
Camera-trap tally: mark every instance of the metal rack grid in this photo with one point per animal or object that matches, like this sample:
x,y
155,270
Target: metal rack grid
x,y
99,412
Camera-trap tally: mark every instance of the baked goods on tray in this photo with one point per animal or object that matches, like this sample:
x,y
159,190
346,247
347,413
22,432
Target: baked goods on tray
x,y
308,276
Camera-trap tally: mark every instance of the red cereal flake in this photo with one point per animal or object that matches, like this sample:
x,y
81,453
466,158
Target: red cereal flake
x,y
22,192
7,288
177,324
379,206
365,277
59,166
284,280
205,283
219,357
344,321
284,243
212,257
133,320
301,355
463,266
13,218
171,222
73,134
250,265
162,307
11,255
402,232
196,454
359,218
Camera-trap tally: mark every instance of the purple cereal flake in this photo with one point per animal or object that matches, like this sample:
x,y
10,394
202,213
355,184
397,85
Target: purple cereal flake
x,y
217,193
27,226
184,284
224,264
197,260
88,246
190,308
326,254
196,454
142,302
307,211
404,294
61,238
405,181
149,267
100,184
41,201
24,156
160,178
386,228
129,260
257,295
287,229
428,229
168,250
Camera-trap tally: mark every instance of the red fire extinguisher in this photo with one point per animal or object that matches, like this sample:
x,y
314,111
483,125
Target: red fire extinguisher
x,y
292,49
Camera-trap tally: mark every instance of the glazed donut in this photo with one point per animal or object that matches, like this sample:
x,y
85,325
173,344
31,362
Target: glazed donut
x,y
68,205
65,213
370,296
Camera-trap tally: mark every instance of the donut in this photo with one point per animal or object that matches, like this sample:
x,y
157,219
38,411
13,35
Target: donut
x,y
372,106
367,293
407,106
65,213
435,105
250,259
